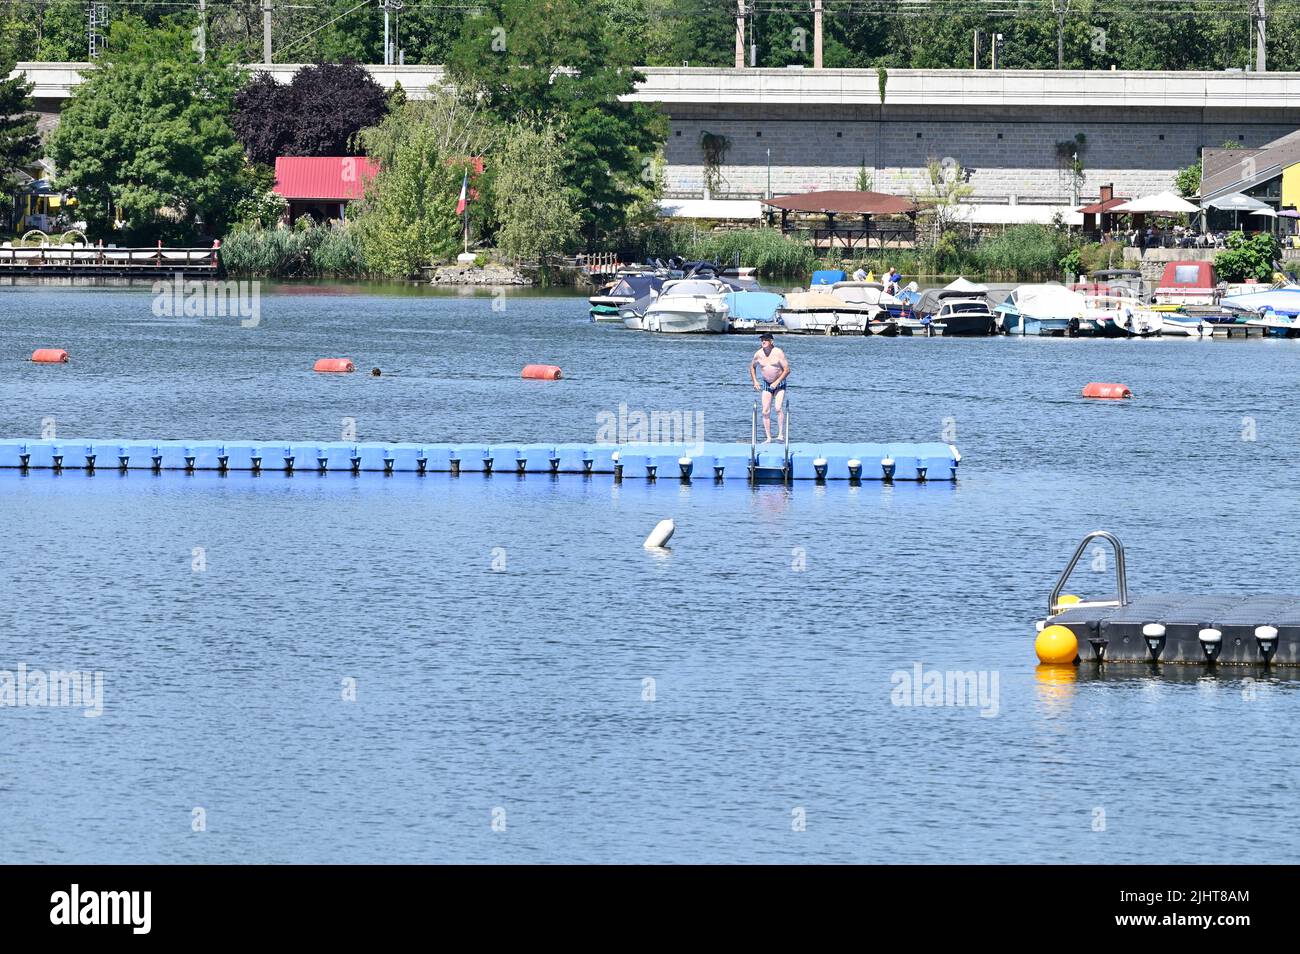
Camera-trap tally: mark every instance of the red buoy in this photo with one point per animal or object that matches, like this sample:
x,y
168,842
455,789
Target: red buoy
x,y
542,372
50,356
1104,391
334,365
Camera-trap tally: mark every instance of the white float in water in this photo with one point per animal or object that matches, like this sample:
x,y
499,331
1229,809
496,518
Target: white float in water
x,y
660,535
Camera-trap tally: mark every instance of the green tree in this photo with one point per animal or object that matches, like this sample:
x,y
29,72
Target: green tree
x,y
538,211
407,217
553,60
937,199
146,139
1188,181
19,144
865,179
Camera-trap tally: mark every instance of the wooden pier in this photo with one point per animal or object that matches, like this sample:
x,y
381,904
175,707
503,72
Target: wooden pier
x,y
62,260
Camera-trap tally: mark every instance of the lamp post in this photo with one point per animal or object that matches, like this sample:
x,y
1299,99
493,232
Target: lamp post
x,y
769,172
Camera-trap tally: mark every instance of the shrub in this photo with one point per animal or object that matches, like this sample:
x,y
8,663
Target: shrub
x,y
1247,258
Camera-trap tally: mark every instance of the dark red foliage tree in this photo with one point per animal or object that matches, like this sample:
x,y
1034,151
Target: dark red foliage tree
x,y
316,115
263,111
332,101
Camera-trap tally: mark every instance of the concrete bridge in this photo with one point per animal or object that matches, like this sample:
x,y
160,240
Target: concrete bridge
x,y
1014,131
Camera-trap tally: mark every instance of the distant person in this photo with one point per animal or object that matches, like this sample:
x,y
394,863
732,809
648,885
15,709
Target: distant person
x,y
771,363
891,284
860,275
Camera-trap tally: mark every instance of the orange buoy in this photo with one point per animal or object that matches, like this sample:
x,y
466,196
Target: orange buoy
x,y
1098,389
542,372
334,365
50,356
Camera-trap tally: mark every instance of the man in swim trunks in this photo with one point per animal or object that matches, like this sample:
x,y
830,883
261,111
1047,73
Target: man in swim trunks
x,y
770,362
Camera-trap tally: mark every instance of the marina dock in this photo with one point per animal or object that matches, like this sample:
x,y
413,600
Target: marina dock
x,y
677,462
87,260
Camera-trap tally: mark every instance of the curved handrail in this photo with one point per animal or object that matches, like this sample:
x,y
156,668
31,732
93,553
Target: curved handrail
x,y
1121,572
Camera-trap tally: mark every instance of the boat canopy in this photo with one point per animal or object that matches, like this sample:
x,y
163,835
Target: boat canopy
x,y
754,306
1045,301
1282,301
962,288
1179,276
692,286
859,293
828,276
635,286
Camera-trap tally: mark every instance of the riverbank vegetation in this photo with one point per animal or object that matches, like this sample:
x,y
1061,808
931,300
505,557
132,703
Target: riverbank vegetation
x,y
1085,35
162,142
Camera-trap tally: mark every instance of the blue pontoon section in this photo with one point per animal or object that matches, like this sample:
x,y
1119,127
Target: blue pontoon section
x,y
706,460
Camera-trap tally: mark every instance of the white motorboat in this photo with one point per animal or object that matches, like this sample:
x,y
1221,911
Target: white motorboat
x,y
689,306
840,308
1041,310
1176,324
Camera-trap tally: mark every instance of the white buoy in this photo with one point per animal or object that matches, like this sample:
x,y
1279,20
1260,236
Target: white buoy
x,y
660,535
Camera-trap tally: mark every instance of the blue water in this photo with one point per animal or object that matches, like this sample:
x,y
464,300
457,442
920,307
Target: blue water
x,y
500,631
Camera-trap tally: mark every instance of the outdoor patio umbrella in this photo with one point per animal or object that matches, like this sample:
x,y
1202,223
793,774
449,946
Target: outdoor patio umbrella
x,y
1162,203
1266,211
1235,203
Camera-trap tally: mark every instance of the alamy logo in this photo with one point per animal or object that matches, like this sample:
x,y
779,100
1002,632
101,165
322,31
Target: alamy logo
x,y
653,427
922,687
103,907
56,689
177,298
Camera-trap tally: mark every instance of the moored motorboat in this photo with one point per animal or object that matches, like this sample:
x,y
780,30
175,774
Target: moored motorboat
x,y
1188,286
607,304
689,306
1040,310
748,310
960,308
839,308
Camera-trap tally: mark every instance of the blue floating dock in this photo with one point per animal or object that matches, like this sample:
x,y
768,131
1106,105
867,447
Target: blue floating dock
x,y
704,461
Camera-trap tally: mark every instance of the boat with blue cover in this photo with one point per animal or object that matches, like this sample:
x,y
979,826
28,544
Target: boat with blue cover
x,y
747,310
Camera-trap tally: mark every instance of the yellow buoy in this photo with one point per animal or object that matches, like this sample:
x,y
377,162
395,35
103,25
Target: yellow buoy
x,y
1068,599
1056,646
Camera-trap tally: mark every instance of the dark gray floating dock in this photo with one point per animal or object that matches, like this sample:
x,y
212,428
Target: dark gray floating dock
x,y
1263,629
1183,628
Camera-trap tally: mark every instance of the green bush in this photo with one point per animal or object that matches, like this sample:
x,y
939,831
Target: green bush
x,y
1248,257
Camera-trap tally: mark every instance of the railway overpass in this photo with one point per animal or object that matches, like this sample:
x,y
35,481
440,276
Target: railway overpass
x,y
1015,132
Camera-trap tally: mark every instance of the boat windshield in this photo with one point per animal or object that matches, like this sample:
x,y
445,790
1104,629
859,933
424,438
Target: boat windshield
x,y
687,288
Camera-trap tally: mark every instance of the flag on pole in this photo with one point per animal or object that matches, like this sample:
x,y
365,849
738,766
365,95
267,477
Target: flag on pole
x,y
464,195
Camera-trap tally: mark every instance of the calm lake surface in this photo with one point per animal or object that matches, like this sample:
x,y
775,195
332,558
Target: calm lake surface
x,y
501,631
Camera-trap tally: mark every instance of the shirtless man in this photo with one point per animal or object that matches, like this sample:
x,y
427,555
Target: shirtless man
x,y
771,362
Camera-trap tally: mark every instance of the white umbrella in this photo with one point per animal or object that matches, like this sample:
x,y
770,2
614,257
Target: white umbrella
x,y
1165,203
1236,203
1272,214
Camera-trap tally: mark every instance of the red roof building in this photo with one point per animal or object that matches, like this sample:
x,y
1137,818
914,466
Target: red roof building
x,y
322,186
